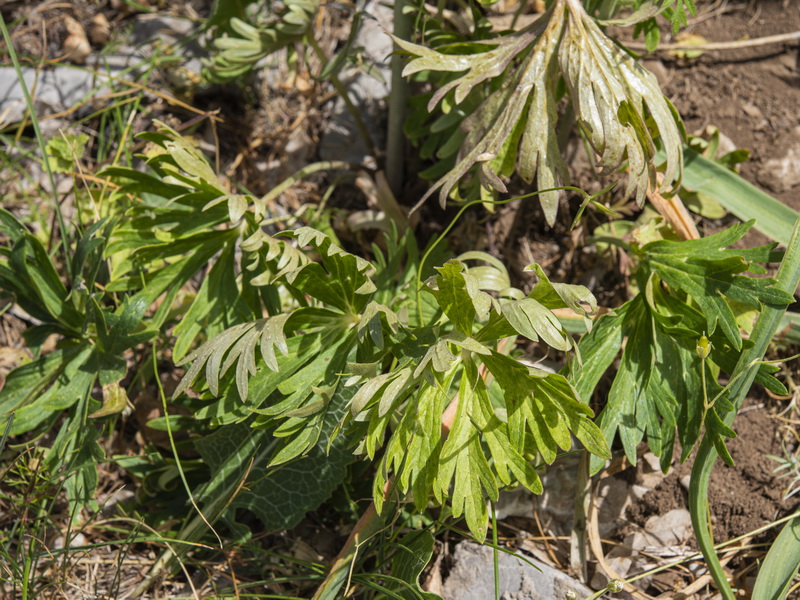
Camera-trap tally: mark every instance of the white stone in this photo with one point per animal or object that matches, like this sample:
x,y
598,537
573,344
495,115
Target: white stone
x,y
472,577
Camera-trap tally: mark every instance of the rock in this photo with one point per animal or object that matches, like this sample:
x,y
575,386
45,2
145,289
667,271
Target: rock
x,y
58,88
167,30
472,577
782,173
341,139
673,528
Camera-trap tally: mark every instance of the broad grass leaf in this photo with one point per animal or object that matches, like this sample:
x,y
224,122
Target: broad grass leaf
x,y
779,568
46,386
414,552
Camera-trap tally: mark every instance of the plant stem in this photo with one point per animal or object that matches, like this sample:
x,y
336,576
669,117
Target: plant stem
x,y
742,378
395,139
368,526
342,91
40,140
495,557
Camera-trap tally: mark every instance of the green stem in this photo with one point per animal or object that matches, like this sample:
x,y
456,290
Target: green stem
x,y
395,139
495,556
452,224
742,377
40,140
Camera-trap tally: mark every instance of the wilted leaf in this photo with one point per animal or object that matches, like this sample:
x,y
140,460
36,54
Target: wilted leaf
x,y
115,399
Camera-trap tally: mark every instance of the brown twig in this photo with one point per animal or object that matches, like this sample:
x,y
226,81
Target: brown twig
x,y
735,45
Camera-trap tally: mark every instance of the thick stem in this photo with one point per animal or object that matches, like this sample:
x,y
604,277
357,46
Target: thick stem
x,y
398,100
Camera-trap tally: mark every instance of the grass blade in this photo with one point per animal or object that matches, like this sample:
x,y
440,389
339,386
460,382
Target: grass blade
x,y
742,199
781,564
40,140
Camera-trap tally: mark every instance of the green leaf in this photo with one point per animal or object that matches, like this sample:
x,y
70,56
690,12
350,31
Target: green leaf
x,y
38,389
780,566
772,218
280,497
34,281
597,350
82,478
531,319
218,305
236,56
463,458
708,273
647,10
558,397
562,295
414,551
341,280
459,296
64,150
237,345
115,400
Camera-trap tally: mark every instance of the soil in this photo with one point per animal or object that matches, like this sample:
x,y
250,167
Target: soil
x,y
751,94
742,498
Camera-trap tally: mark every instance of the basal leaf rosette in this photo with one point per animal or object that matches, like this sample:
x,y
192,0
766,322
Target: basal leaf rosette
x,y
618,106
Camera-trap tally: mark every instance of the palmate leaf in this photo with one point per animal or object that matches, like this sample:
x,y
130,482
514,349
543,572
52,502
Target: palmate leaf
x,y
618,104
526,103
459,296
237,345
236,56
482,452
341,279
657,393
400,377
709,273
610,93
